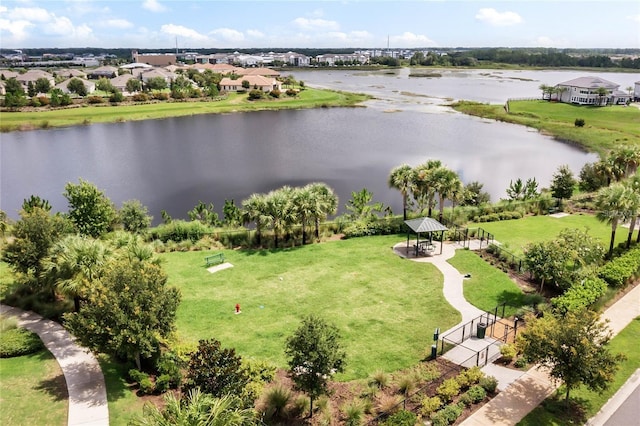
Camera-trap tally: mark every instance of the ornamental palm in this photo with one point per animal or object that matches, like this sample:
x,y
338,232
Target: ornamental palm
x,y
423,188
445,183
633,184
280,211
304,205
403,179
612,204
325,203
254,210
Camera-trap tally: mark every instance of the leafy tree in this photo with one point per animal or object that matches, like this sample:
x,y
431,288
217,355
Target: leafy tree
x,y
89,209
245,84
14,94
31,89
156,83
135,216
205,214
403,178
105,85
166,217
128,312
43,85
522,191
181,88
590,179
314,353
76,86
573,347
474,195
196,408
613,205
562,183
362,207
133,85
215,370
33,235
544,260
232,214
256,94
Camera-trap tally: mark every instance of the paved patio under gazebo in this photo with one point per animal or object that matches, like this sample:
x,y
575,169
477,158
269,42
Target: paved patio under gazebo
x,y
428,226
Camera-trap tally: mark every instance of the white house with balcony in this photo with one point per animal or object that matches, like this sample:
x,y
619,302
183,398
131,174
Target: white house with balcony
x,y
591,91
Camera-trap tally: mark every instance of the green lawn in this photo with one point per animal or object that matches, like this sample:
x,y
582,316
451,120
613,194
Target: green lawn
x,y
32,391
123,403
605,127
308,98
386,307
488,286
516,234
550,412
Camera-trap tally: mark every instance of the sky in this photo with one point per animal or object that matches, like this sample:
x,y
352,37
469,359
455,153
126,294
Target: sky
x,y
149,24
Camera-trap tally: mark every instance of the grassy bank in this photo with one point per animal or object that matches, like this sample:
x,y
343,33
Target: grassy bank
x,y
104,113
385,307
605,127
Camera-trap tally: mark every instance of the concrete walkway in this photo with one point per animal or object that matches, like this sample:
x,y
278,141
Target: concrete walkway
x,y
82,373
533,387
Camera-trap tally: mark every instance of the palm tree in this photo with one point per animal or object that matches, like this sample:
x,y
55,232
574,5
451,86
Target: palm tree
x,y
304,205
197,408
325,203
544,89
633,184
403,179
445,183
626,160
280,211
74,263
254,210
424,185
612,203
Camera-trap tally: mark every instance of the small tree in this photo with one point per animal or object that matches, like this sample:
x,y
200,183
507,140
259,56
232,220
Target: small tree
x,y
315,354
573,347
133,85
215,370
76,86
135,216
563,183
245,84
43,85
89,209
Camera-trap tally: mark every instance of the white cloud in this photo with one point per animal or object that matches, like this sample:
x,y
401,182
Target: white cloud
x,y
408,39
228,34
498,19
179,30
117,23
153,6
635,18
17,29
255,34
31,14
544,41
316,24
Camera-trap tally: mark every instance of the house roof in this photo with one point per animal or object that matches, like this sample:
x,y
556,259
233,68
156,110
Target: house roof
x,y
590,83
136,65
33,75
254,80
425,224
90,85
257,71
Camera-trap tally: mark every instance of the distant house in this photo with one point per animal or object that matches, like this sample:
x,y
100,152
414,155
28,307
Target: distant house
x,y
89,85
155,59
266,84
147,74
120,82
265,72
589,91
636,91
70,73
106,72
32,76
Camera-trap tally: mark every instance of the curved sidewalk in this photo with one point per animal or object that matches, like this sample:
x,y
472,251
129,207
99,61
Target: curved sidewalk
x,y
82,373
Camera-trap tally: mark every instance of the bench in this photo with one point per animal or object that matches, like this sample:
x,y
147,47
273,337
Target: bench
x,y
214,259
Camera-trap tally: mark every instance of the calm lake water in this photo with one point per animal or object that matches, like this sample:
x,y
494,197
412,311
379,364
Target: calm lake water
x,y
173,163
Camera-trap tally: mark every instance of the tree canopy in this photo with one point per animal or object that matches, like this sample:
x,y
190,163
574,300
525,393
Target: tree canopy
x,y
89,208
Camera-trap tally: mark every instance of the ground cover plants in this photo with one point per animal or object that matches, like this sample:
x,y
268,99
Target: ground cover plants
x,y
308,98
385,307
605,127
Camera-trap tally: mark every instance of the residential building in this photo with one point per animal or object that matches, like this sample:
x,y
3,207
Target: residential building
x,y
266,84
155,59
588,91
89,85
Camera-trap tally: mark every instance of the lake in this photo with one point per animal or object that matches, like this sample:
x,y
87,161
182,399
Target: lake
x,y
173,163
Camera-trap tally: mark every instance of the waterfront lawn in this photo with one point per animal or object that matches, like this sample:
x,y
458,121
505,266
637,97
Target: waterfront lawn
x,y
32,391
552,412
488,286
605,127
516,234
234,102
385,307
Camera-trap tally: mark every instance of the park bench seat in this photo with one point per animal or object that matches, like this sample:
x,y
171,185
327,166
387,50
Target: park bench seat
x,y
214,259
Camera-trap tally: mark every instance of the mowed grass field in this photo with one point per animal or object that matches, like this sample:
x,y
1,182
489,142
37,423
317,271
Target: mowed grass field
x,y
32,391
605,127
516,234
385,307
106,113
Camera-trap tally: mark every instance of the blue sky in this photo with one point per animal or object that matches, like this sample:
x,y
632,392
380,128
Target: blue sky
x,y
318,24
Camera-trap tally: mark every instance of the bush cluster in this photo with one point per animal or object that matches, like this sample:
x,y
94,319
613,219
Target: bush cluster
x,y
385,226
179,230
448,415
401,418
580,295
18,342
494,217
621,270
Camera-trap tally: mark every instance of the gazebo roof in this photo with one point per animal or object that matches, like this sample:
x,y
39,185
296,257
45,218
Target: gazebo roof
x,y
425,224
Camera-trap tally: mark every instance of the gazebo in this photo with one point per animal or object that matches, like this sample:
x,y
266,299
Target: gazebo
x,y
424,225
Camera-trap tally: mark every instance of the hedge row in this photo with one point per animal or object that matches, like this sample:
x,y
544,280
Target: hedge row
x,y
18,342
580,295
622,270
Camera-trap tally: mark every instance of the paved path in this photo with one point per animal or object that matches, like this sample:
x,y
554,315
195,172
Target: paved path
x,y
82,373
533,387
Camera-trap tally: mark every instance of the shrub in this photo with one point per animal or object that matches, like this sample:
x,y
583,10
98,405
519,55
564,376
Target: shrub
x,y
579,122
448,389
620,270
353,413
116,97
8,323
44,100
146,386
95,100
179,230
447,415
140,97
163,383
137,375
275,93
489,383
291,93
406,384
169,364
19,341
520,362
388,404
469,377
426,372
274,401
160,96
256,94
580,295
508,352
476,393
401,418
380,379
299,406
430,405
